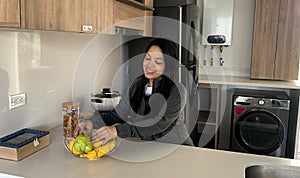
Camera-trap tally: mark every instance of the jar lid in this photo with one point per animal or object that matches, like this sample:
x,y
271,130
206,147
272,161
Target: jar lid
x,y
70,105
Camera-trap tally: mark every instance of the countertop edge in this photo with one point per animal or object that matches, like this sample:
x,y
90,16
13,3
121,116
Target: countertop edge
x,y
246,81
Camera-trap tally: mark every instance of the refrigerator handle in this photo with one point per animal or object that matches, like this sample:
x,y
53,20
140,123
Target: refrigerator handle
x,y
192,64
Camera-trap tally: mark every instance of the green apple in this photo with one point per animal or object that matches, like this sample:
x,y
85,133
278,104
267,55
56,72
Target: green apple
x,y
76,146
83,144
88,147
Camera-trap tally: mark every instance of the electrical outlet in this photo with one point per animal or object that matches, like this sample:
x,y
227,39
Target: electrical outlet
x,y
16,100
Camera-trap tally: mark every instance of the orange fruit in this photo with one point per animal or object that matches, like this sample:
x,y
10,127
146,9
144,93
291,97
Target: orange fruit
x,y
91,154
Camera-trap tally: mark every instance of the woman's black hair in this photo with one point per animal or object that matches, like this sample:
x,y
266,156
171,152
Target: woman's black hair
x,y
167,47
170,52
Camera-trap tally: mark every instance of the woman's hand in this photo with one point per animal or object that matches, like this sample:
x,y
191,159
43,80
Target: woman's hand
x,y
82,127
105,134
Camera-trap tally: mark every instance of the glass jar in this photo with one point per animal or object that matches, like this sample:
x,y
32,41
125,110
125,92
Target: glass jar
x,y
70,113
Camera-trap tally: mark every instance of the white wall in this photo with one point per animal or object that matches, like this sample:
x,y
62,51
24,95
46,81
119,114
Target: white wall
x,y
44,65
97,68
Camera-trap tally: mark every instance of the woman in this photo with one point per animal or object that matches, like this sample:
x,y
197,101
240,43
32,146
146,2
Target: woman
x,y
152,108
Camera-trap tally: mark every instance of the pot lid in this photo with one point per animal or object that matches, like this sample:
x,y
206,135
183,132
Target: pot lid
x,y
107,93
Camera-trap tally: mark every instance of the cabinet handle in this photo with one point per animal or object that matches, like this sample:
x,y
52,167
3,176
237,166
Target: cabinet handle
x,y
87,28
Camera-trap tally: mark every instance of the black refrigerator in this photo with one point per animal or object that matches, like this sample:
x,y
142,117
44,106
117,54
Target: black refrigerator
x,y
181,22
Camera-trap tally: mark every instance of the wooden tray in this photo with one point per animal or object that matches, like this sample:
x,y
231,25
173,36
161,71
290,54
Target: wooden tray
x,y
23,143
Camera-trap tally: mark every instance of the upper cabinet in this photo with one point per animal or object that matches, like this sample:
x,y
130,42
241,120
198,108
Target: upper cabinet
x,y
97,16
131,15
55,15
10,13
276,40
91,16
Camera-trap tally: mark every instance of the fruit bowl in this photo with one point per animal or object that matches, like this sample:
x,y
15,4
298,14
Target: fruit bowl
x,y
97,150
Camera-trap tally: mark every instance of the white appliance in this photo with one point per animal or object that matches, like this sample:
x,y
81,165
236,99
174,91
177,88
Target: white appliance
x,y
217,22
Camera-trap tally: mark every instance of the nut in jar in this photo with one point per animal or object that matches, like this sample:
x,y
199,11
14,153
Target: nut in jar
x,y
70,112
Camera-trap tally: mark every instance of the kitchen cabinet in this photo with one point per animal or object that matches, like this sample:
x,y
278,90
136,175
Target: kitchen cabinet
x,y
54,15
276,42
91,16
208,118
130,16
10,13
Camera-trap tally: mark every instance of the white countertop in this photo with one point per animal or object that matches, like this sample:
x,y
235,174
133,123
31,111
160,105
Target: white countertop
x,y
160,160
246,81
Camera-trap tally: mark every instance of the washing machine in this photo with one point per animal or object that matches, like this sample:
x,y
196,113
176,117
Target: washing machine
x,y
259,122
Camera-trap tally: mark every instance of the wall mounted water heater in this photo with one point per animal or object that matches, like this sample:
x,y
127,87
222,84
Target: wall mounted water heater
x,y
217,22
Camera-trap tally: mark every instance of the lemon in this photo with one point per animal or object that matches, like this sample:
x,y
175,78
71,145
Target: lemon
x,y
107,147
82,156
97,144
99,153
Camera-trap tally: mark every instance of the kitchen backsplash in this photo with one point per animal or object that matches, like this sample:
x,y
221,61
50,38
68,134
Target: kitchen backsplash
x,y
52,67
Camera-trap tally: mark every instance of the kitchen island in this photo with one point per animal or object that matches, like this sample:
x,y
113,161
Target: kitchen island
x,y
137,159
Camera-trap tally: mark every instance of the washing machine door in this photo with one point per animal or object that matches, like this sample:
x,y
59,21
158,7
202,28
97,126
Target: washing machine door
x,y
259,131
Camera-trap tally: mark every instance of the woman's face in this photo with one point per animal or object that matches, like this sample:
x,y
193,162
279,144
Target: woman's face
x,y
154,63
